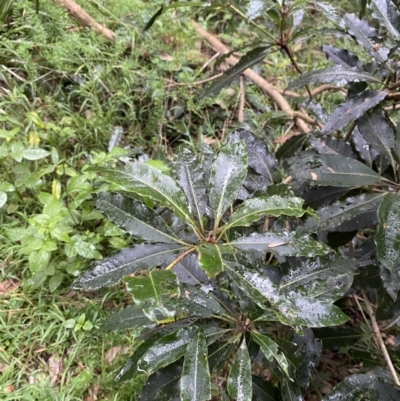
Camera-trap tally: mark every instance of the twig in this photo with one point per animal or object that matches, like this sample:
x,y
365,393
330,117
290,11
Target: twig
x,y
203,81
242,100
209,61
355,297
377,333
269,89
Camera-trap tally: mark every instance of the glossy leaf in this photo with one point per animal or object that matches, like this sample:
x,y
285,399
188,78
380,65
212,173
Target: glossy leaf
x,y
316,197
210,258
239,382
188,270
336,74
270,350
282,243
253,209
291,146
364,149
35,154
189,175
329,12
110,271
150,290
195,381
254,56
388,15
388,236
290,390
334,338
342,57
3,198
226,177
332,146
263,390
334,170
256,8
354,108
147,181
134,217
379,131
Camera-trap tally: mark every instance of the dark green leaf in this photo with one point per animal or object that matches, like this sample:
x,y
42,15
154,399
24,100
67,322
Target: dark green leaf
x,y
336,74
316,197
386,391
329,12
342,57
226,177
150,290
254,56
334,170
270,350
253,209
109,271
388,236
263,390
379,131
334,338
147,181
188,270
151,21
256,8
321,278
363,148
195,380
189,175
352,109
388,15
282,243
290,390
291,146
134,217
333,146
210,258
239,383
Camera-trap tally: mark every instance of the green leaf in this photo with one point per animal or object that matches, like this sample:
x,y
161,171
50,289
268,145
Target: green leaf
x,y
239,382
38,260
147,181
387,237
270,350
252,57
109,271
253,209
135,218
388,15
195,380
3,198
334,170
329,11
189,175
210,258
336,74
282,243
55,281
263,390
290,390
227,175
150,290
35,154
153,19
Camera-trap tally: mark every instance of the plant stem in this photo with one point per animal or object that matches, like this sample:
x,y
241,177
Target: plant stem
x,y
180,257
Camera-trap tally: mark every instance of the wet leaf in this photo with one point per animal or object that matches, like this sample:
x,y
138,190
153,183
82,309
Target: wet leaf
x,y
316,197
270,350
387,237
189,175
329,11
336,74
334,170
388,15
263,390
3,198
150,290
110,271
290,390
254,56
115,138
188,270
282,243
134,217
239,382
210,258
256,8
227,175
35,154
332,146
379,131
291,146
253,209
147,181
195,381
364,149
342,57
337,337
322,278
354,108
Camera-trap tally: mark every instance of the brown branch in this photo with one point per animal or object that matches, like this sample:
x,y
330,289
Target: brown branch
x,y
299,118
76,11
242,101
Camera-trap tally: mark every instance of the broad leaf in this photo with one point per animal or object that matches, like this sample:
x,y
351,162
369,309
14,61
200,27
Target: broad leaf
x,y
316,197
270,350
263,390
329,12
239,383
226,177
253,209
334,170
379,131
282,243
188,271
321,278
135,218
365,36
195,381
336,74
290,390
147,181
334,338
363,148
331,217
388,15
210,258
189,174
291,146
388,236
254,56
150,290
354,108
342,57
109,271
332,146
